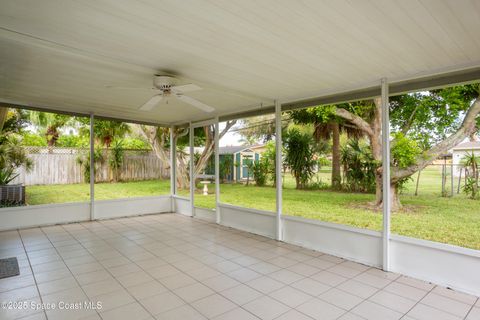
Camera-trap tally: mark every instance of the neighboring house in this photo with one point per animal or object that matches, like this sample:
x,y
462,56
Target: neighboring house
x,y
459,151
234,162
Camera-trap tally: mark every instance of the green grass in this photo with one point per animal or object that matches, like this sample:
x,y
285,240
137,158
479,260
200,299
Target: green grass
x,y
427,216
62,193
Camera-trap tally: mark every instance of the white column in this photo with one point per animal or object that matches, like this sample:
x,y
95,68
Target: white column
x,y
217,171
92,168
278,168
173,166
192,178
386,174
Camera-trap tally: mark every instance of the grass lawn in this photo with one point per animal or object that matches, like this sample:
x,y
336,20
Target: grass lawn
x,y
428,216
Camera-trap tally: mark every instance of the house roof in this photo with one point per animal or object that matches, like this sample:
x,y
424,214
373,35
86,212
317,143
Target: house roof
x,y
467,145
235,149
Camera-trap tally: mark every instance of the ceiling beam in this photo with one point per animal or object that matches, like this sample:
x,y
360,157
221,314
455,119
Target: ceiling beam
x,y
441,80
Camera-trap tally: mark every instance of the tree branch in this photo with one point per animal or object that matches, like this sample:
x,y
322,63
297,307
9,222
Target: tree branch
x,y
356,120
468,126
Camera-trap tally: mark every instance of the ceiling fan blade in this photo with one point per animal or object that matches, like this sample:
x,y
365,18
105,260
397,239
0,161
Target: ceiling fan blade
x,y
150,104
130,88
186,88
194,102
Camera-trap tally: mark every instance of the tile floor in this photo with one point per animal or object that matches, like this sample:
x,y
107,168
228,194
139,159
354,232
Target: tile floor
x,y
172,267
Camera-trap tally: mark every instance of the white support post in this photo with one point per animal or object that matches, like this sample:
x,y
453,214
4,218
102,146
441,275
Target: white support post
x,y
217,171
92,168
173,166
192,178
386,175
278,169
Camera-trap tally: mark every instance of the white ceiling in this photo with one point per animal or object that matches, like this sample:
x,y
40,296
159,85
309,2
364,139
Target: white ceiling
x,y
61,54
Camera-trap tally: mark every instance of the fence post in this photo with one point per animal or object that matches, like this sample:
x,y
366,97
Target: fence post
x,y
92,168
451,176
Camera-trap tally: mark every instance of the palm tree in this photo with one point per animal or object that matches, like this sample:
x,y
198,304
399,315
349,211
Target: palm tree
x,y
49,124
107,131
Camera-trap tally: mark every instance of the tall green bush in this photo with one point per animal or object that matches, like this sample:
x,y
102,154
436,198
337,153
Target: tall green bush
x,y
299,156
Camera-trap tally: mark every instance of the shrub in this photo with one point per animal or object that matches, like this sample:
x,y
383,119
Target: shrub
x,y
260,172
299,156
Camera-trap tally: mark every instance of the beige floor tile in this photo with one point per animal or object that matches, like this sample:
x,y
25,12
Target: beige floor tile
x,y
266,308
194,292
145,290
393,301
161,303
113,300
244,275
184,312
357,288
340,298
293,315
177,281
236,314
373,311
101,287
474,314
424,312
329,278
126,312
290,296
304,269
310,286
320,310
446,304
241,294
57,285
221,283
286,276
265,284
213,305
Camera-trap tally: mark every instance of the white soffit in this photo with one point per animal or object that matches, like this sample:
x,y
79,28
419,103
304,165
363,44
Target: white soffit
x,y
62,54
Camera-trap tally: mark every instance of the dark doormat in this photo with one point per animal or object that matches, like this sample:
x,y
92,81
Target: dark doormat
x,y
9,267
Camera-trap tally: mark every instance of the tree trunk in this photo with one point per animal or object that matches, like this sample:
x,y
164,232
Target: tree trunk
x,y
336,173
395,203
3,117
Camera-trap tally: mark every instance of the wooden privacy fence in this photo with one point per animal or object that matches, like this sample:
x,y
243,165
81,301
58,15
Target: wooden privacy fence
x,y
60,166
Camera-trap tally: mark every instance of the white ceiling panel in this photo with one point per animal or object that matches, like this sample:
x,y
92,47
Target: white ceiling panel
x,y
62,54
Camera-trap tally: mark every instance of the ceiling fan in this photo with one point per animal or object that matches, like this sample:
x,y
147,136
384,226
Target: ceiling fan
x,y
165,85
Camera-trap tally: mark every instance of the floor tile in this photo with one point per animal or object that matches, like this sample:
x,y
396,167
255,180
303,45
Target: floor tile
x,y
193,292
213,305
221,283
236,314
320,310
126,312
241,294
290,296
446,304
340,298
184,312
329,278
146,290
393,301
424,312
266,308
373,311
293,315
161,303
310,286
265,284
